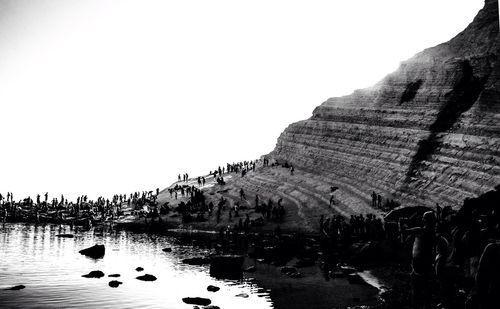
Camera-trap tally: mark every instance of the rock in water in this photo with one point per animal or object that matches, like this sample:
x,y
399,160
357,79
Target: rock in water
x,y
114,283
94,274
95,252
114,275
16,288
139,269
65,235
213,288
243,295
226,266
200,301
146,277
167,250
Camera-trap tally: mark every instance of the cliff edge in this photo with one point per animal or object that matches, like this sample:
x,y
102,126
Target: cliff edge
x,y
427,133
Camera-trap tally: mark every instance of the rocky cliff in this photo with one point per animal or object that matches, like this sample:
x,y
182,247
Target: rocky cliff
x,y
427,133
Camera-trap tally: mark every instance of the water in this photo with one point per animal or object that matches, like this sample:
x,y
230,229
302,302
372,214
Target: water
x,y
51,269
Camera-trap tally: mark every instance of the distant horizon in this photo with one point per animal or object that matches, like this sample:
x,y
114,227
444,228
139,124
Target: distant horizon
x,y
106,97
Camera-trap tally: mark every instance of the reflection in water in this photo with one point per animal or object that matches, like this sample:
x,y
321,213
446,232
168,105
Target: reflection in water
x,y
51,269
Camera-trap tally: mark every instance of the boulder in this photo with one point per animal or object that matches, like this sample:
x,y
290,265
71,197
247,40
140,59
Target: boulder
x,y
197,301
95,252
94,274
146,277
139,269
212,288
114,283
226,266
16,288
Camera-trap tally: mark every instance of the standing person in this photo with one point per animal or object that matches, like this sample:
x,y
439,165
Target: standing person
x,y
423,257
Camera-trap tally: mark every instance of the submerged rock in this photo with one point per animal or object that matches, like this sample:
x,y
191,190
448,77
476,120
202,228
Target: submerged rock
x,y
16,288
212,288
197,301
94,274
146,277
114,283
95,252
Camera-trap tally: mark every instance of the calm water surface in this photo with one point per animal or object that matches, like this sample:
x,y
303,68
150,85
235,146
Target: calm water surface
x,y
51,269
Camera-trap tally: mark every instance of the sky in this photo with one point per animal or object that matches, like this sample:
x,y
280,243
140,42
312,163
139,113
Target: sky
x,y
100,97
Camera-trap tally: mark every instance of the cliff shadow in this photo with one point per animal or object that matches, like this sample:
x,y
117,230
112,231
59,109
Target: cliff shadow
x,y
464,94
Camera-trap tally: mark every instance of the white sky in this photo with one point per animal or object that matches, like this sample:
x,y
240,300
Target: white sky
x,y
114,96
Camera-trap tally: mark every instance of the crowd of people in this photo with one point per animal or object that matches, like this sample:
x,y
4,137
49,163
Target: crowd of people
x,y
82,211
455,254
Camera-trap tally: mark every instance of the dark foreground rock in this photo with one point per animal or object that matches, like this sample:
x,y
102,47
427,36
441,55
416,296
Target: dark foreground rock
x,y
146,277
95,252
94,274
114,283
200,301
212,288
16,288
226,266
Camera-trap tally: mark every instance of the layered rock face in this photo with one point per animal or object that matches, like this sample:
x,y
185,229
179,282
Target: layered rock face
x,y
427,133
